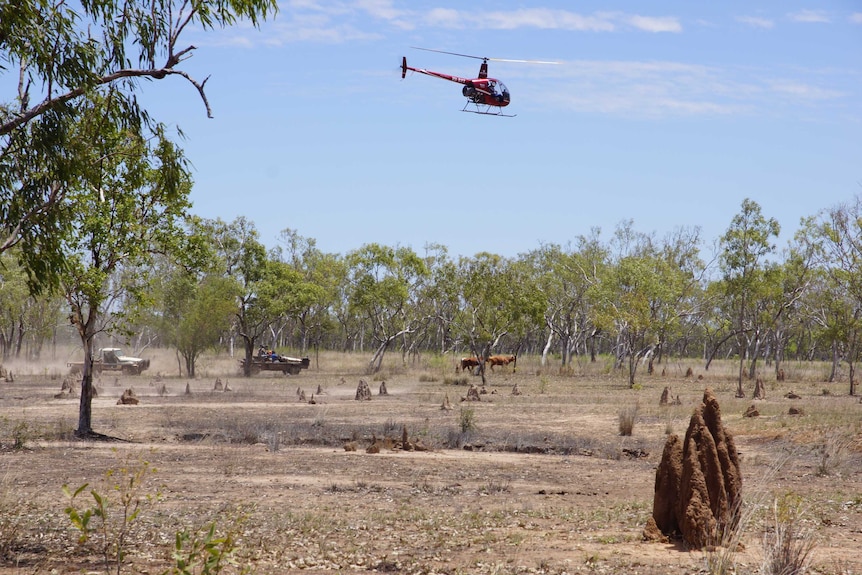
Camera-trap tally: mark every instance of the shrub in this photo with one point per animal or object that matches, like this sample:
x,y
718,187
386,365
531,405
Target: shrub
x,y
467,420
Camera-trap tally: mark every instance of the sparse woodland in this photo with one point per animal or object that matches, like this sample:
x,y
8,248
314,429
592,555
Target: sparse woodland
x,y
635,297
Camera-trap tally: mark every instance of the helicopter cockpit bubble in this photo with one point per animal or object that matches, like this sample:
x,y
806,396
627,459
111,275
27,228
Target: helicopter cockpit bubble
x,y
498,90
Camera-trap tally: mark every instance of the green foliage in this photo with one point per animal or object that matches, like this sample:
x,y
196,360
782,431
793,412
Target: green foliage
x,y
206,552
467,420
198,310
72,57
109,519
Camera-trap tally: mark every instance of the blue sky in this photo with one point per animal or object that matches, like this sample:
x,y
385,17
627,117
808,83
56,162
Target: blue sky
x,y
665,113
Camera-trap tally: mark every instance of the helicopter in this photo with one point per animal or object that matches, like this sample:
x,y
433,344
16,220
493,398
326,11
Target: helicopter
x,y
488,95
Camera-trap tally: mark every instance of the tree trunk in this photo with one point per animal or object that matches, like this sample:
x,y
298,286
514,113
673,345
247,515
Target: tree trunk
x,y
85,407
739,391
835,360
547,348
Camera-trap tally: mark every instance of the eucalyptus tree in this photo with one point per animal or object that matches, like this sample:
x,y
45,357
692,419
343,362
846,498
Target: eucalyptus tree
x,y
263,285
198,309
565,276
646,292
65,54
384,291
624,297
499,298
746,245
13,304
840,228
27,320
787,285
678,310
440,295
130,204
316,292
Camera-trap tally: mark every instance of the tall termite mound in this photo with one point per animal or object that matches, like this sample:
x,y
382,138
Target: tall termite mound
x,y
698,484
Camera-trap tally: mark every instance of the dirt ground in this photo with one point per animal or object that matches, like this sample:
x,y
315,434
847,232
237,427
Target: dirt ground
x,y
540,482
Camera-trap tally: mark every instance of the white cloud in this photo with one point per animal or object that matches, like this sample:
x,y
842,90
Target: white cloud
x,y
856,18
656,89
548,19
810,17
653,24
756,22
339,21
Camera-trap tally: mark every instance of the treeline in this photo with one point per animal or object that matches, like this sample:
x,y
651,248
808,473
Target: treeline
x,y
639,298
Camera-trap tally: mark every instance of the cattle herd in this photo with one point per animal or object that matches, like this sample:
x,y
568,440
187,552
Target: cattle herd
x,y
473,362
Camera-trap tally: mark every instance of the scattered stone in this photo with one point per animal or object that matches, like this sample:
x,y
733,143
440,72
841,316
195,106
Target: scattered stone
x,y
795,411
698,483
128,398
635,453
759,389
363,392
350,446
483,391
382,390
751,411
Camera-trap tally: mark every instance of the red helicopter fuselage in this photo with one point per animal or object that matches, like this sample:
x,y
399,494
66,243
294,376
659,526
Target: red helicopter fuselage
x,y
481,90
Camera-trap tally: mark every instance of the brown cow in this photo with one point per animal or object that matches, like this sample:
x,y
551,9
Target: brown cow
x,y
503,360
470,362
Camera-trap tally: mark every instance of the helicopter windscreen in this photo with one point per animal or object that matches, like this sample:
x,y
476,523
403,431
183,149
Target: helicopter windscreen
x,y
499,90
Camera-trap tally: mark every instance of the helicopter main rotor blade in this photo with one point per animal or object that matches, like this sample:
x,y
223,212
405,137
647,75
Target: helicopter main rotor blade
x,y
450,53
484,58
522,61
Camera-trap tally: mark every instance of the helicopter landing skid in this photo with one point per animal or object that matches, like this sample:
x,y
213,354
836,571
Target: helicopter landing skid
x,y
487,111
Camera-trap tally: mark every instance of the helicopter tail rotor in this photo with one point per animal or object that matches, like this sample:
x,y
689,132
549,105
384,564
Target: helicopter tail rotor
x,y
403,67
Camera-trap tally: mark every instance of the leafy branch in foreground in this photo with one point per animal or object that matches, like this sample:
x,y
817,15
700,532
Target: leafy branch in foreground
x,y
109,520
206,551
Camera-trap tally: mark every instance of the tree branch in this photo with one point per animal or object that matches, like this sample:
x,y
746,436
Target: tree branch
x,y
157,73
